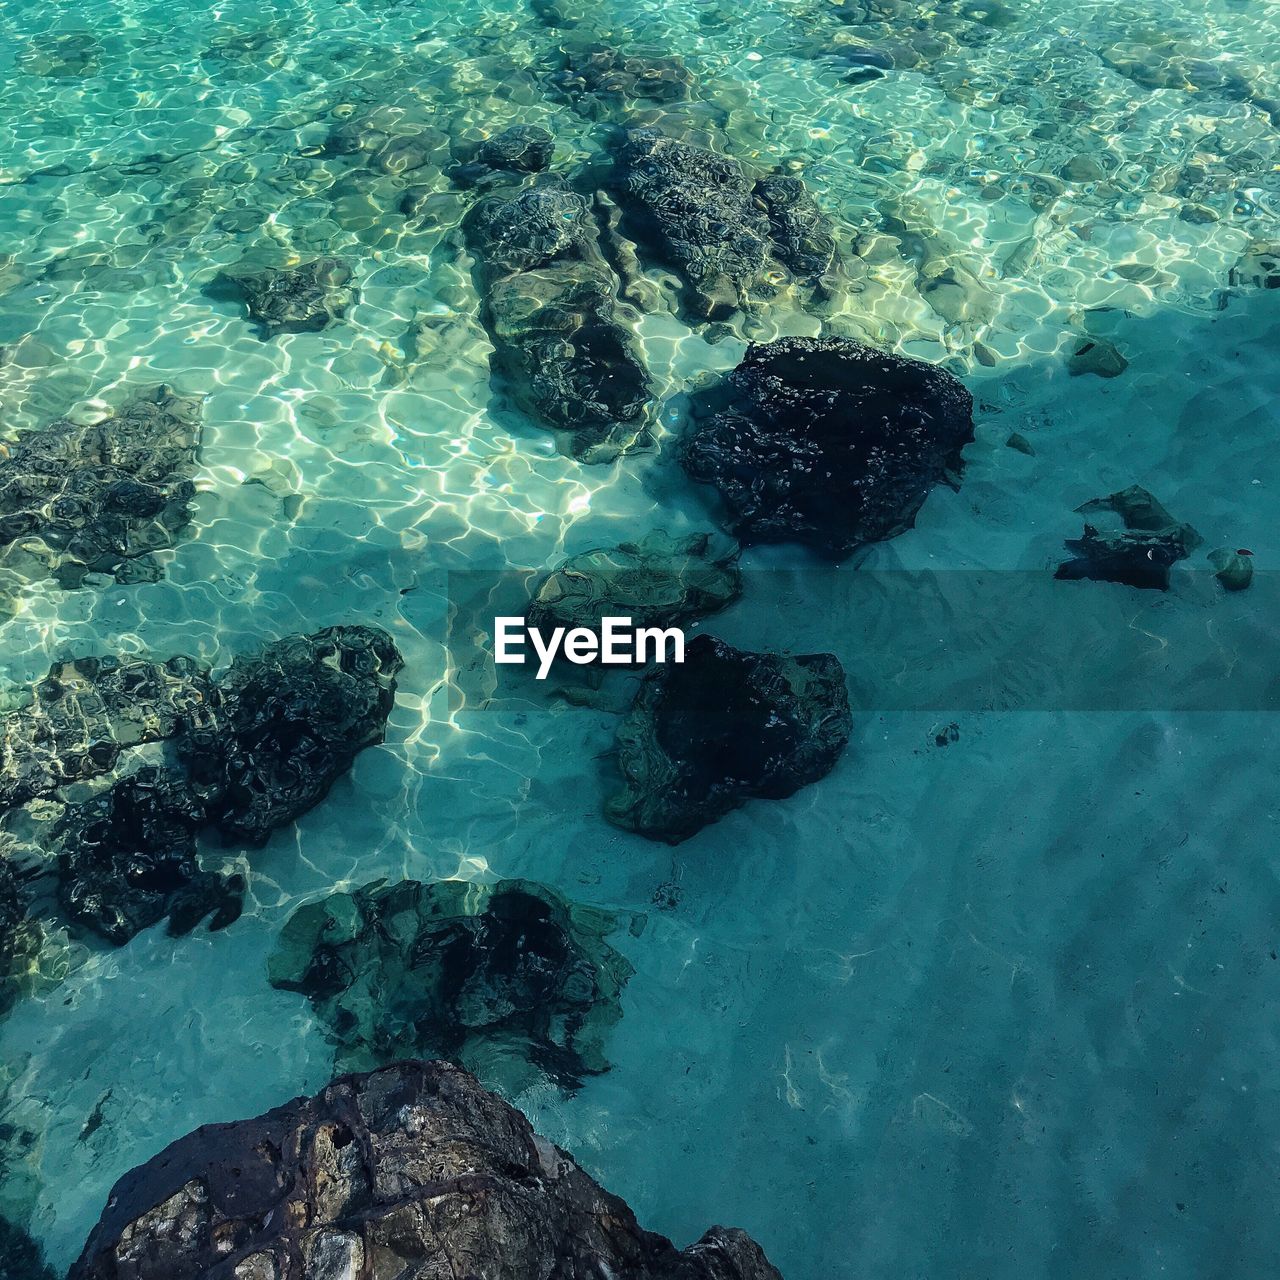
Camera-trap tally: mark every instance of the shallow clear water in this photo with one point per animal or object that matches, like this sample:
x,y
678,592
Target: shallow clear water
x,y
1002,1007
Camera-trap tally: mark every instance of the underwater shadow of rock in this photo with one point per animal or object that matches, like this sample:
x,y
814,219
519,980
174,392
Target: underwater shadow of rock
x,y
486,975
723,727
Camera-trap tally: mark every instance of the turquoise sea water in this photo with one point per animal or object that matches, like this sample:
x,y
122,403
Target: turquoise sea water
x,y
998,1006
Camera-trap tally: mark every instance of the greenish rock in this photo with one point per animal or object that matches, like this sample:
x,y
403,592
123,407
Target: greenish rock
x,y
1234,569
300,299
1258,267
505,978
725,726
659,580
1020,443
1098,356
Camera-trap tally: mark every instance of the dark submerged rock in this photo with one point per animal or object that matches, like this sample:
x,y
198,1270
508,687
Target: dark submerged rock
x,y
1138,554
723,727
524,148
85,713
301,299
127,858
282,725
828,442
696,210
20,1256
550,308
600,75
410,1173
801,232
658,580
89,499
464,971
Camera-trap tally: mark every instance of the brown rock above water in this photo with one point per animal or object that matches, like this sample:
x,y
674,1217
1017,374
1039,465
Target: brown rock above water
x,y
413,1172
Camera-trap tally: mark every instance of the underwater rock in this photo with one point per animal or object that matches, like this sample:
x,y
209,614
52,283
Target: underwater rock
x,y
1234,569
801,231
301,299
20,1256
726,726
659,580
1140,553
524,148
85,713
413,1172
13,915
612,77
282,725
1099,356
827,441
549,307
79,499
127,858
696,210
1258,267
470,972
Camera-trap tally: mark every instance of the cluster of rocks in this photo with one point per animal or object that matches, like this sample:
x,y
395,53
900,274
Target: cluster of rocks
x,y
100,498
505,976
408,1173
252,751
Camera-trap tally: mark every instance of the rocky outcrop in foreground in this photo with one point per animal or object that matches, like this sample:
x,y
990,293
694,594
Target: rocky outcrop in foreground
x,y
409,1173
827,441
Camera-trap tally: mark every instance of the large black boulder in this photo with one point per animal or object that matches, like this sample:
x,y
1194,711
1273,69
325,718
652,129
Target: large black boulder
x,y
826,441
78,499
283,724
725,726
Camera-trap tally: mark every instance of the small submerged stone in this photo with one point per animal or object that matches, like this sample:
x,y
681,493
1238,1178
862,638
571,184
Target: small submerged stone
x,y
76,500
726,726
464,971
283,724
127,859
827,441
524,148
659,580
1098,356
601,76
801,232
301,299
1258,267
1234,569
1140,553
409,1173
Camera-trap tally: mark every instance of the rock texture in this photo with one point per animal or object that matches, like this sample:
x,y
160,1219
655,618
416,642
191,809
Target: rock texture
x,y
560,347
409,1173
705,736
20,1257
86,713
127,859
827,441
658,580
470,972
76,499
696,210
283,724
